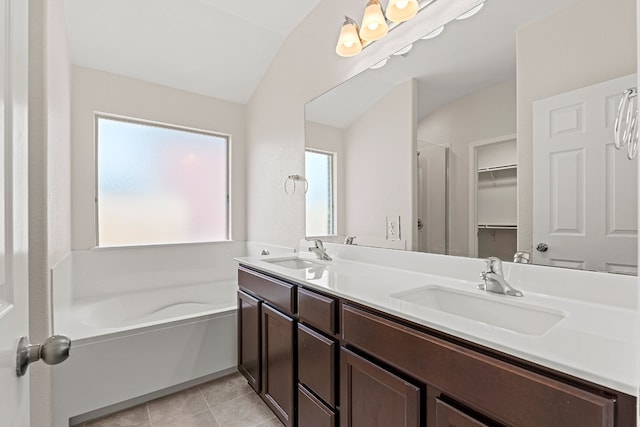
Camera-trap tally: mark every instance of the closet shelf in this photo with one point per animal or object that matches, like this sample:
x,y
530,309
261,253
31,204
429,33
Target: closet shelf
x,y
498,226
497,168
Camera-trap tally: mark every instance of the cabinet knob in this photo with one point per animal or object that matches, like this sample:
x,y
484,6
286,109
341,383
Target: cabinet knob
x,y
542,247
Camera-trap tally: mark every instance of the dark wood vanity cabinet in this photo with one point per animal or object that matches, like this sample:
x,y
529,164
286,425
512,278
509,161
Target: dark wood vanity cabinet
x,y
493,391
267,339
321,361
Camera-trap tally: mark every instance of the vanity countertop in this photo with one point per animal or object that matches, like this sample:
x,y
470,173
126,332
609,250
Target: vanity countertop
x,y
596,342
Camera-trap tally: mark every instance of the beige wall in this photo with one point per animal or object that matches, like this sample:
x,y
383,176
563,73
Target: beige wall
x,y
586,43
305,67
380,169
97,91
485,114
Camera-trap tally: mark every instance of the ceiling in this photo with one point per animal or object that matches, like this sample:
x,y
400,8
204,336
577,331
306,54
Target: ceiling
x,y
469,55
211,47
223,48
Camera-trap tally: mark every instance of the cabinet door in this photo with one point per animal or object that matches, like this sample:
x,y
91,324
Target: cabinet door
x,y
448,416
249,339
374,397
278,370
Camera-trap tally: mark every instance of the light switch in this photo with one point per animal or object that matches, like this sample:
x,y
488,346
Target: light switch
x,y
393,228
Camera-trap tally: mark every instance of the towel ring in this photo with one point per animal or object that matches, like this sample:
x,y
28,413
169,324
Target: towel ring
x,y
626,129
294,179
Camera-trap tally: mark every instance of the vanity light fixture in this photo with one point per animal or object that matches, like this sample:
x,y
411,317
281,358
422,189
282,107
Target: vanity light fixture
x,y
349,43
401,10
374,24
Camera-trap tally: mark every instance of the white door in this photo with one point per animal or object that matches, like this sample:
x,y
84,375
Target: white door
x,y
14,391
585,191
432,199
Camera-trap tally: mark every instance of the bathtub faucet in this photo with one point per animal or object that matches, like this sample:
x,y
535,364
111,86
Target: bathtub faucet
x,y
319,250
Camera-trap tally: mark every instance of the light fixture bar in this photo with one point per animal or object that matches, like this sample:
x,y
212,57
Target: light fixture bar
x,y
375,25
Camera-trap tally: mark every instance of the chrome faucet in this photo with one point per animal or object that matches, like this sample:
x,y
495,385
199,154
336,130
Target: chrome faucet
x,y
494,280
319,250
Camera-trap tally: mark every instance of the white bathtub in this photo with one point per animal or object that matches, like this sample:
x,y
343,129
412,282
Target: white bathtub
x,y
128,348
142,323
99,316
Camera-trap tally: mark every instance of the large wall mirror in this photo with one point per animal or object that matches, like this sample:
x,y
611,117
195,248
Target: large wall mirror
x,y
494,137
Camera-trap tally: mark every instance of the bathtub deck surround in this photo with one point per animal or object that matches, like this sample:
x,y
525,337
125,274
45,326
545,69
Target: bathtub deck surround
x,y
560,328
143,320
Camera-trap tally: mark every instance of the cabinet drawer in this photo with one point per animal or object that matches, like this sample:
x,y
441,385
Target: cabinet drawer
x,y
504,392
312,412
447,416
316,363
317,310
277,293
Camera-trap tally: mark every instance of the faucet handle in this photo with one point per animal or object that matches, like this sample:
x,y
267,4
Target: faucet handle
x,y
317,243
494,265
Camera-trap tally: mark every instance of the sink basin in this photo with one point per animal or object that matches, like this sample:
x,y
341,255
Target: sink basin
x,y
294,263
490,309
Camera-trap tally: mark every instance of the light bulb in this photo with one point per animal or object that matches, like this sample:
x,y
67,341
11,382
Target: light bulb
x,y
349,41
374,25
401,10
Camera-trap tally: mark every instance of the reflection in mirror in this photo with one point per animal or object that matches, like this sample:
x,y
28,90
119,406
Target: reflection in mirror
x,y
494,137
319,167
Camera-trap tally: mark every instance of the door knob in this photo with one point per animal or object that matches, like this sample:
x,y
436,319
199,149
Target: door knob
x,y
52,351
542,247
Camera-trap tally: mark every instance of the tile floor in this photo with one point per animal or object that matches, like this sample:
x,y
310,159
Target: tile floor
x,y
225,402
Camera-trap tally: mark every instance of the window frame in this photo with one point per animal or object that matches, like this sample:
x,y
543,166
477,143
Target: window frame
x,y
125,119
333,176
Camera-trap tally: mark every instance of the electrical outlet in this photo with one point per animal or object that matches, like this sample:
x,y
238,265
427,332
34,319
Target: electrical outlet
x,y
393,228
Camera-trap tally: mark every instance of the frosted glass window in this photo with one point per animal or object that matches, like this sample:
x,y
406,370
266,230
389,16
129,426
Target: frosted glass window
x,y
160,185
319,198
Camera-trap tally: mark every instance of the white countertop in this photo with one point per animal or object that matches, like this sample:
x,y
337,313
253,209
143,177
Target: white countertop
x,y
595,342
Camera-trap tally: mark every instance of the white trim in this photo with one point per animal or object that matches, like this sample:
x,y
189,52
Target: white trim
x,y
97,115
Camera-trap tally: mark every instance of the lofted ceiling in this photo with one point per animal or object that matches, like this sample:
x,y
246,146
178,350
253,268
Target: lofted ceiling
x,y
223,48
211,47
